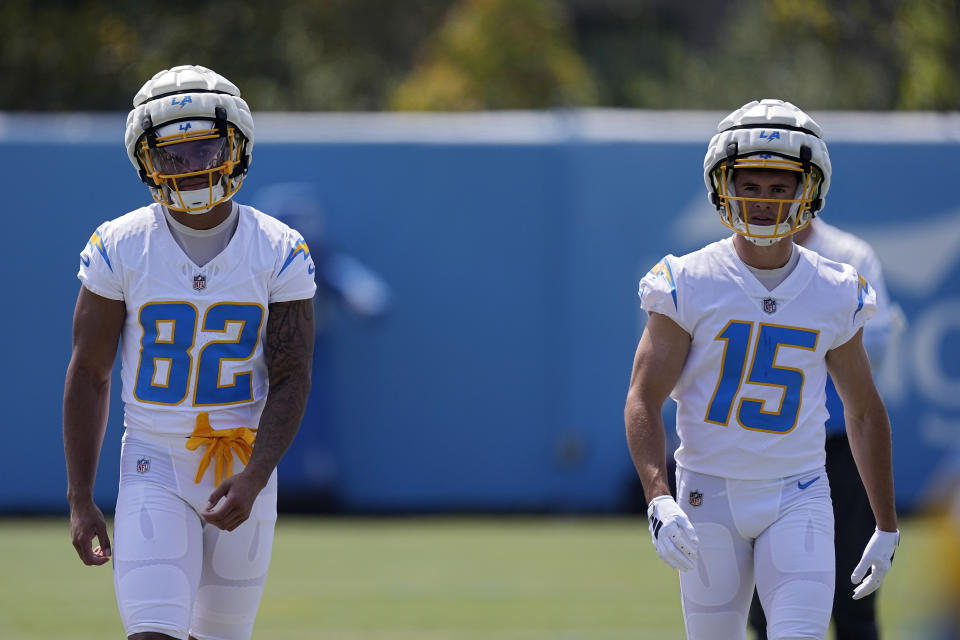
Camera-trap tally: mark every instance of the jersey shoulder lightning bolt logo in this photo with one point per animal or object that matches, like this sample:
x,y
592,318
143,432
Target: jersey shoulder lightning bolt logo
x,y
96,242
300,248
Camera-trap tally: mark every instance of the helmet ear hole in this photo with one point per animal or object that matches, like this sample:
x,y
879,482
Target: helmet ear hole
x,y
241,166
148,180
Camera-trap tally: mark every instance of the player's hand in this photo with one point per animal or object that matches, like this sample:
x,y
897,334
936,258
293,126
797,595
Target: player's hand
x,y
877,558
230,504
87,523
673,536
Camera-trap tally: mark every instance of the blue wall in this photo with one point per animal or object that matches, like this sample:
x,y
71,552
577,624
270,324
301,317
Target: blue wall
x,y
497,378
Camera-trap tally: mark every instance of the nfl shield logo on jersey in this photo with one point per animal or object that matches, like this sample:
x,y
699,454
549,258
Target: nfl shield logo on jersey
x,y
143,465
696,498
769,305
200,282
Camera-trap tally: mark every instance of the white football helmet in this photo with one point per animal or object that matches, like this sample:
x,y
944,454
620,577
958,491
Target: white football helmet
x,y
190,137
775,135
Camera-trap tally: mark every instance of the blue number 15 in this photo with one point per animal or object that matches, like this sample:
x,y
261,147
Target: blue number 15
x,y
737,336
166,364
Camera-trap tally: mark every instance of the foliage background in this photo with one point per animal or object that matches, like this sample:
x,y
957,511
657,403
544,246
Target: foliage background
x,y
371,55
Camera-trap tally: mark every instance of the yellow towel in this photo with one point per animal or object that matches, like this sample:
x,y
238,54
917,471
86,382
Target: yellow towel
x,y
221,445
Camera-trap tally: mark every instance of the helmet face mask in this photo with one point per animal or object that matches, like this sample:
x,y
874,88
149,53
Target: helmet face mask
x,y
783,215
770,135
190,137
189,169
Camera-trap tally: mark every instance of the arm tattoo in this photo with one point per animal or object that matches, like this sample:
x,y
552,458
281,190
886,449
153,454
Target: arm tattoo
x,y
289,354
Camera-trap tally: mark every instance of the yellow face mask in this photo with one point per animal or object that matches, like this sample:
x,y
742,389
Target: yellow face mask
x,y
192,164
766,210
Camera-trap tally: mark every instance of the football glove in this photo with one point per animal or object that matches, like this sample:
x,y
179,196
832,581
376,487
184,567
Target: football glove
x,y
674,537
877,557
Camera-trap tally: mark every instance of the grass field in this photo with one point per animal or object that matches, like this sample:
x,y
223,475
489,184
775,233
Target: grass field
x,y
424,579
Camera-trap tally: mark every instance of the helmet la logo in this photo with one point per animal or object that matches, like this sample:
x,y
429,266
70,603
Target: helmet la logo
x,y
185,100
774,135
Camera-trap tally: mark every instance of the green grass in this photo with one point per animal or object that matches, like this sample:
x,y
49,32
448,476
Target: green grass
x,y
424,579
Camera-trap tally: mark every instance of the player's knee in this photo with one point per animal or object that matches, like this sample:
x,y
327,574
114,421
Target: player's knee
x,y
800,611
798,629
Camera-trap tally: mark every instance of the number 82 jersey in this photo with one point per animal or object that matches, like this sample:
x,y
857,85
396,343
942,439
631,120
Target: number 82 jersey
x,y
751,395
193,335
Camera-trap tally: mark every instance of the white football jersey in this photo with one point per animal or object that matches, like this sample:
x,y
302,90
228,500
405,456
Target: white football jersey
x,y
193,336
750,398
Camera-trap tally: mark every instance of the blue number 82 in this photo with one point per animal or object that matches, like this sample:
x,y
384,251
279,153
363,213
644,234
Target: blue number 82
x,y
763,371
166,364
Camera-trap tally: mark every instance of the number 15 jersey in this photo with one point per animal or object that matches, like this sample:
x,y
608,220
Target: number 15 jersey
x,y
750,398
192,339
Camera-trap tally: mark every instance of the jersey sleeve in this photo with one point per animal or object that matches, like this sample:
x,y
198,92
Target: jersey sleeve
x,y
99,266
658,290
863,308
295,276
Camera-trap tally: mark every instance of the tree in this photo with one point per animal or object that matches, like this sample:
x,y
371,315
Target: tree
x,y
283,54
929,44
489,54
499,54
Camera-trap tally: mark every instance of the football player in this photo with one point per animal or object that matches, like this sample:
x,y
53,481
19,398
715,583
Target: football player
x,y
212,304
742,334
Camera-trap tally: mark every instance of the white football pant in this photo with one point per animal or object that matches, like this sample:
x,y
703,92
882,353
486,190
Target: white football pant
x,y
173,573
777,533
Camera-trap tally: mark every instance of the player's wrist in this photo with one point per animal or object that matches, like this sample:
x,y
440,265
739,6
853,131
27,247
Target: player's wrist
x,y
258,475
658,502
79,495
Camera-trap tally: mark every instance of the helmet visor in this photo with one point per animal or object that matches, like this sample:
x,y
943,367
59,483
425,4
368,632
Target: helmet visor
x,y
189,156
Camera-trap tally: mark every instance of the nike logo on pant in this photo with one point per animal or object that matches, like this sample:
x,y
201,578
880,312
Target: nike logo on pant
x,y
804,485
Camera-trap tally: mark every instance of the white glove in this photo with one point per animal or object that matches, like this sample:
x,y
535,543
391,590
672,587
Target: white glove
x,y
673,536
877,557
